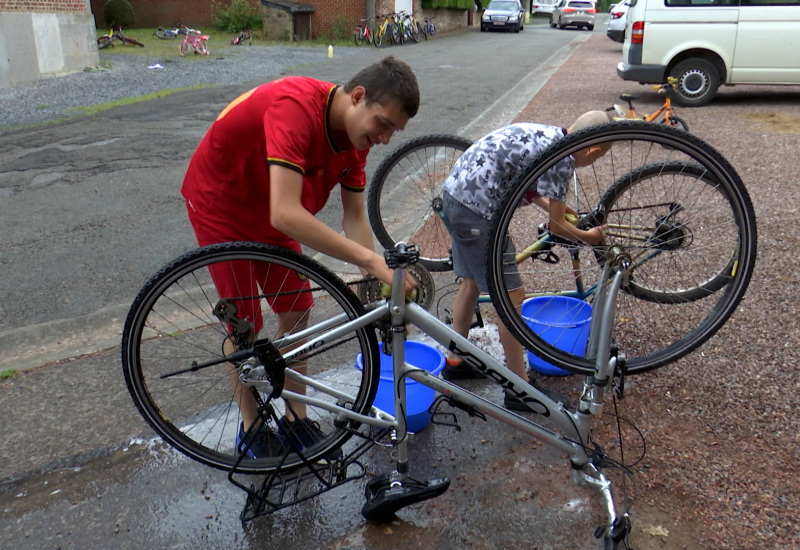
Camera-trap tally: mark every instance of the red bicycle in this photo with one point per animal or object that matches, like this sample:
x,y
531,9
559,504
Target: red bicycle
x,y
364,33
193,40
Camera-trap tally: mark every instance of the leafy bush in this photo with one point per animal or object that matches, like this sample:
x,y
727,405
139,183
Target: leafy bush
x,y
119,13
239,15
451,4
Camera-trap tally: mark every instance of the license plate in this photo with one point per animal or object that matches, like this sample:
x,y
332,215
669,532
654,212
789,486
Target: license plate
x,y
499,22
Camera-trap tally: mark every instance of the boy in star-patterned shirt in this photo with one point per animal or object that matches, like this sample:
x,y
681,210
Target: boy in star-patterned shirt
x,y
471,195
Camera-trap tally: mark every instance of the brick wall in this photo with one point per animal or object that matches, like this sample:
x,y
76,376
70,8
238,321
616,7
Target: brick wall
x,y
51,6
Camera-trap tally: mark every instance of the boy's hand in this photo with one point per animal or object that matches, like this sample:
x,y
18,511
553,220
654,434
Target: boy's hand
x,y
595,235
386,292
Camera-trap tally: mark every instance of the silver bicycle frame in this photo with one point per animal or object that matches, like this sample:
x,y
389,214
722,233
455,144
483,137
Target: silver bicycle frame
x,y
573,429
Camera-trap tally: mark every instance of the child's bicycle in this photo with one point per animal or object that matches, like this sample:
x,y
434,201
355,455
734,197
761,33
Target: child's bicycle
x,y
116,35
241,38
168,34
179,377
193,41
666,110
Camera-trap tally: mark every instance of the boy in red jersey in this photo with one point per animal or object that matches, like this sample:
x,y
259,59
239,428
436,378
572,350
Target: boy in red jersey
x,y
280,149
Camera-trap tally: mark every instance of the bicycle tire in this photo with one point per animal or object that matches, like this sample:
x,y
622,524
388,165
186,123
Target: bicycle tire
x,y
641,198
650,330
202,47
405,195
432,30
358,36
104,42
132,41
184,48
171,325
678,122
163,35
377,38
421,31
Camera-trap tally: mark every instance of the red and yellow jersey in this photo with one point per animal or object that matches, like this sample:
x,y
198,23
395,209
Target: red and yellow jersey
x,y
284,122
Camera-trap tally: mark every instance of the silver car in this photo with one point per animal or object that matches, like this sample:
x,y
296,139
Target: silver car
x,y
503,14
574,13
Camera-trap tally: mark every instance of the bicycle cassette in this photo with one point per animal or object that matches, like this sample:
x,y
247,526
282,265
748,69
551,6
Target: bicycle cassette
x,y
370,291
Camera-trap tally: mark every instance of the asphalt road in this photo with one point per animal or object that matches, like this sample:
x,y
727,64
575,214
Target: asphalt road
x,y
91,207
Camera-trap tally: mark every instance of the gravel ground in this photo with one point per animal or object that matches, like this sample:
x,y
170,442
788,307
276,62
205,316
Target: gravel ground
x,y
722,439
128,75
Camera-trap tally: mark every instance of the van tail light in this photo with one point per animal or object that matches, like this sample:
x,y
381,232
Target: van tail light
x,y
637,32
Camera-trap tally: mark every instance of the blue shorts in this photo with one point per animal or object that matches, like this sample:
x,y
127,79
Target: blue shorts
x,y
470,236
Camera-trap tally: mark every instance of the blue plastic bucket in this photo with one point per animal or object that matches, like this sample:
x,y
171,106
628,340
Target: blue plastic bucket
x,y
562,321
419,398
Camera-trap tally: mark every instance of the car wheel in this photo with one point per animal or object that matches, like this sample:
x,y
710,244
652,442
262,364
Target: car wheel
x,y
483,29
560,23
698,80
590,27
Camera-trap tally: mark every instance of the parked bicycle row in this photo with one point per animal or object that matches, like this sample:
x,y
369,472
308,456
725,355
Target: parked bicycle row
x,y
393,28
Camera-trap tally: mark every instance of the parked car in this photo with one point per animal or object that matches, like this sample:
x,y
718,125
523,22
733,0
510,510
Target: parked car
x,y
543,6
616,25
574,13
503,14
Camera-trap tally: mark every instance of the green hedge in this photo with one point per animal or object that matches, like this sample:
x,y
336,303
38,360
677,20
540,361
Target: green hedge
x,y
449,4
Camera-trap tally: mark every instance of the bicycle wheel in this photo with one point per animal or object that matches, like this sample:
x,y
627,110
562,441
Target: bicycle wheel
x,y
655,206
404,202
675,206
132,41
185,48
421,31
163,35
358,35
172,327
104,42
432,30
202,47
678,122
377,38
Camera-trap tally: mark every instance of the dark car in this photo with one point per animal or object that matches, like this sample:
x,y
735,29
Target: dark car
x,y
503,14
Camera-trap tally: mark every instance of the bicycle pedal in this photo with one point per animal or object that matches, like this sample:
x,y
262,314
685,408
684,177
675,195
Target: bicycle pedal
x,y
385,497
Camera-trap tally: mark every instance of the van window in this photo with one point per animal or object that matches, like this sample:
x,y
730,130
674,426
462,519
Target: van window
x,y
770,2
700,3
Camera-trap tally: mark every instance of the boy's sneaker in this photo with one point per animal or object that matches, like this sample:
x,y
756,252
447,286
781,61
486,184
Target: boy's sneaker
x,y
303,433
456,369
266,443
514,403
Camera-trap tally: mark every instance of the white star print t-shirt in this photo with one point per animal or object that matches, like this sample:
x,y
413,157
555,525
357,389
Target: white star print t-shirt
x,y
483,173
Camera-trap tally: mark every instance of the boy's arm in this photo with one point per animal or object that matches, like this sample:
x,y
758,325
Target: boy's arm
x,y
561,227
288,216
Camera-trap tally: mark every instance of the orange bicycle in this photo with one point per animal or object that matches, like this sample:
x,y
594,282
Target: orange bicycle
x,y
666,109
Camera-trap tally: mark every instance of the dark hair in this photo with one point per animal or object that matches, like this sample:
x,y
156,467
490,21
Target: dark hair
x,y
388,80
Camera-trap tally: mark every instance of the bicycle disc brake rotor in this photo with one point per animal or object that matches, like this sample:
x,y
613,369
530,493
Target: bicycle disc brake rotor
x,y
426,287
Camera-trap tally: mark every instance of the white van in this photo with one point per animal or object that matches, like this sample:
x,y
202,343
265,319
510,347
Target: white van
x,y
706,43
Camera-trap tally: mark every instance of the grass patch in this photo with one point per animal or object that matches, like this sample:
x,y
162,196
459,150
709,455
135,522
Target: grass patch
x,y
9,373
94,109
168,49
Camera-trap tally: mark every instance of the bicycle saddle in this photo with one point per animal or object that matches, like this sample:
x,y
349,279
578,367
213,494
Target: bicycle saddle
x,y
628,97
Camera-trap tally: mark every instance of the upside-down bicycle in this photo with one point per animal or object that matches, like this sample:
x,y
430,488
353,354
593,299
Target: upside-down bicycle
x,y
179,377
